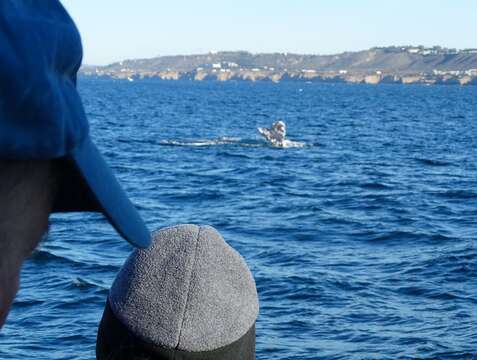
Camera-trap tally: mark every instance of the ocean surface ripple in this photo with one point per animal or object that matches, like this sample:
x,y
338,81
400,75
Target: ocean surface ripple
x,y
362,242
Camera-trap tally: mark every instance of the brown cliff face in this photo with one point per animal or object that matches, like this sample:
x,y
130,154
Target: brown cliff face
x,y
372,79
451,78
355,79
277,77
390,79
466,80
411,79
224,76
200,76
170,75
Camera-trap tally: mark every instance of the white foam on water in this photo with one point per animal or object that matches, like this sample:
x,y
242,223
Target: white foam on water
x,y
292,144
202,142
232,141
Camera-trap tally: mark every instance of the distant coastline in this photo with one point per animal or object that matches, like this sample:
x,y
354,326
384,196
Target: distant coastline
x,y
388,65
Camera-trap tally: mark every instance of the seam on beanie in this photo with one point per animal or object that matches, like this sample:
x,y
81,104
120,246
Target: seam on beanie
x,y
188,288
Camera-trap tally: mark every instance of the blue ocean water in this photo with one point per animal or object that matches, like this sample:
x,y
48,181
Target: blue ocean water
x,y
362,242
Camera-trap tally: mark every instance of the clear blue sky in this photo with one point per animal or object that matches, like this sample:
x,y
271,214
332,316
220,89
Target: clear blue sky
x,y
114,30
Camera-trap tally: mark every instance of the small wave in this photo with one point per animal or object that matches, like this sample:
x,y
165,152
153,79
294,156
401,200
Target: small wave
x,y
375,186
457,355
431,293
233,155
432,162
402,236
27,303
456,194
83,283
42,255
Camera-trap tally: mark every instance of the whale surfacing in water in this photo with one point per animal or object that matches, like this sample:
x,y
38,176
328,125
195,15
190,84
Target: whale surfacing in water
x,y
275,135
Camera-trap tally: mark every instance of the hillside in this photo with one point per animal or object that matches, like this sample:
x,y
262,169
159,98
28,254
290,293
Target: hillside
x,y
397,62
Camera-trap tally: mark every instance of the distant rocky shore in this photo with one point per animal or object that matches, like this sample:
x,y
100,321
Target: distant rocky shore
x,y
329,77
391,65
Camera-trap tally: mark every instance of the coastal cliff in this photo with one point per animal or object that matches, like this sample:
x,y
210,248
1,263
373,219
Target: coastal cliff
x,y
390,65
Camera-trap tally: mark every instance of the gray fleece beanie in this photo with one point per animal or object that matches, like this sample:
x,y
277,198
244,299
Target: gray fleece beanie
x,y
190,291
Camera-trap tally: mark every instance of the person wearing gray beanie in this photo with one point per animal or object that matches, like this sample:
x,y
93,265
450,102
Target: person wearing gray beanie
x,y
188,296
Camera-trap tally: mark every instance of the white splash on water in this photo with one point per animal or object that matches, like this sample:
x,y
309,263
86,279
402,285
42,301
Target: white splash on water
x,y
292,144
274,137
203,142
